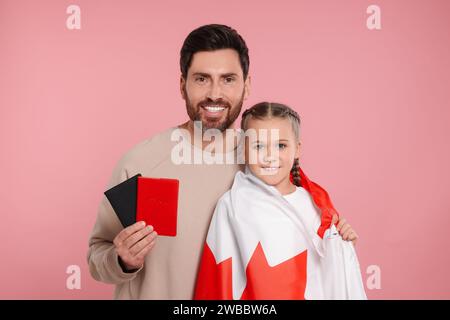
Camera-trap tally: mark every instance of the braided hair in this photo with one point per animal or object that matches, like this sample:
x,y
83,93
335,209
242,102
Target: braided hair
x,y
265,110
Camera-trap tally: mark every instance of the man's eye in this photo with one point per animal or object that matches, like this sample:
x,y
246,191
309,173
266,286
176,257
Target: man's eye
x,y
258,146
200,79
229,79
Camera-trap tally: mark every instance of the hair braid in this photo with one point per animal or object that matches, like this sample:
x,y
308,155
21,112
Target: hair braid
x,y
296,172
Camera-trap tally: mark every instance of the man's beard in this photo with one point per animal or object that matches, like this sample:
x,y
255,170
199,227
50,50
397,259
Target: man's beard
x,y
222,125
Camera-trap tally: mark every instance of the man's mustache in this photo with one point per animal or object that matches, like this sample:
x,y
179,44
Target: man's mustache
x,y
209,102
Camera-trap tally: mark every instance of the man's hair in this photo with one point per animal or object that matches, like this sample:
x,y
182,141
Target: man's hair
x,y
213,37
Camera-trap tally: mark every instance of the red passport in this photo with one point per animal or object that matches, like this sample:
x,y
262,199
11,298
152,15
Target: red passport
x,y
157,204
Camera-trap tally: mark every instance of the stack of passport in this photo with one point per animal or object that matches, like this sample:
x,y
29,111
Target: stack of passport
x,y
153,200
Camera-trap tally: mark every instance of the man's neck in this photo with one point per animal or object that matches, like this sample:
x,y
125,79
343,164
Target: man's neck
x,y
227,146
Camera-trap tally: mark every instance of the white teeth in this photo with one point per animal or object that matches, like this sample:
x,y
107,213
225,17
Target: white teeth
x,y
271,168
214,109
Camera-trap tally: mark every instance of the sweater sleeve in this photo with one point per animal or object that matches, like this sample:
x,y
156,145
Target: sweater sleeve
x,y
102,257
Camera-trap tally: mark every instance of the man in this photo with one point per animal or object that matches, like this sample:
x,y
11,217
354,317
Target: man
x,y
214,84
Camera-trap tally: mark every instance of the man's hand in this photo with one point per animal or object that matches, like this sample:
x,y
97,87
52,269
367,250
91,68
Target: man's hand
x,y
344,229
134,243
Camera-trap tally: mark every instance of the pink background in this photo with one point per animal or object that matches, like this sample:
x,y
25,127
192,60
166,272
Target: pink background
x,y
374,105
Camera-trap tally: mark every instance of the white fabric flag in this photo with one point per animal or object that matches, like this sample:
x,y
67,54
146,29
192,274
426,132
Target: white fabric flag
x,y
260,247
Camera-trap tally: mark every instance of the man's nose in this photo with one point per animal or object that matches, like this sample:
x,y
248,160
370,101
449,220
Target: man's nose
x,y
215,91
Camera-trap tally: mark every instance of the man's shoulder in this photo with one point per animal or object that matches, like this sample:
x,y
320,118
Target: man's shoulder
x,y
149,151
159,140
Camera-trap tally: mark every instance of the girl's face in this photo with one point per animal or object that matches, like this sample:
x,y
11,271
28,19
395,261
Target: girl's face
x,y
269,156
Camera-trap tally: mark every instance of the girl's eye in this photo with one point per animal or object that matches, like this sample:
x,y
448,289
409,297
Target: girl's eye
x,y
282,145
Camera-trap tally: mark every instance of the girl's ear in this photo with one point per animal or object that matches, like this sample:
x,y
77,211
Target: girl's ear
x,y
297,151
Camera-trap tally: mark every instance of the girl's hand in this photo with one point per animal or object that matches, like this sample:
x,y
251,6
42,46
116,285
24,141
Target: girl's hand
x,y
345,230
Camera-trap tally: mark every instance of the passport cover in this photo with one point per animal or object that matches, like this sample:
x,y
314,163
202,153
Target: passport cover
x,y
122,198
157,204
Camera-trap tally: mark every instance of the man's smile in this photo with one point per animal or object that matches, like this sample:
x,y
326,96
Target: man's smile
x,y
213,110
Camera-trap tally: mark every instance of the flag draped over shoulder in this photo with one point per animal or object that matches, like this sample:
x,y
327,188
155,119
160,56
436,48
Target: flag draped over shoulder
x,y
259,247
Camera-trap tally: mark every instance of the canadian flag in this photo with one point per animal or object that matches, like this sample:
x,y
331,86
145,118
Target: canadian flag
x,y
260,247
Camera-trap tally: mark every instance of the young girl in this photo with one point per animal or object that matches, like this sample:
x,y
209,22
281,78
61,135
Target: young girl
x,y
271,235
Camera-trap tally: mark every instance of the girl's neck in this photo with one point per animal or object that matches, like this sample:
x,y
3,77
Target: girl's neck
x,y
286,187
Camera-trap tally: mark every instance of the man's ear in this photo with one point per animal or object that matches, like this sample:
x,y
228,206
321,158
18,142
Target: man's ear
x,y
183,87
247,85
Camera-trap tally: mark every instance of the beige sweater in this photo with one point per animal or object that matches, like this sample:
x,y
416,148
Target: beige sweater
x,y
170,268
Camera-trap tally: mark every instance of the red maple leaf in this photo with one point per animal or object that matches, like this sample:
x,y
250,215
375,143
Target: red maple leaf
x,y
286,280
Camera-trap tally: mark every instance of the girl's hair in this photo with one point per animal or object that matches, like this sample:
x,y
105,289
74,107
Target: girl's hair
x,y
264,110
